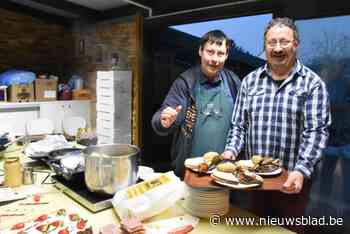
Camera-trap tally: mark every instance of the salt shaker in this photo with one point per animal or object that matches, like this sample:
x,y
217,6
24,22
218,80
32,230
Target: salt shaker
x,y
28,176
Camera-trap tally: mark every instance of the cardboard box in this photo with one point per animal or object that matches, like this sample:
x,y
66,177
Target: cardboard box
x,y
21,93
45,89
81,94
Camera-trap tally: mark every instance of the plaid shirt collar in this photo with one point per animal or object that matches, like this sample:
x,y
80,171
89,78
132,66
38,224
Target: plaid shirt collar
x,y
265,71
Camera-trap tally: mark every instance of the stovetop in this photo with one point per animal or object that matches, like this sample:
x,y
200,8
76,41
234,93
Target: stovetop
x,y
77,190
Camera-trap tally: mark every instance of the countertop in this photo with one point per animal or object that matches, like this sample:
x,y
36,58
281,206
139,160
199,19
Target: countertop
x,y
16,105
57,200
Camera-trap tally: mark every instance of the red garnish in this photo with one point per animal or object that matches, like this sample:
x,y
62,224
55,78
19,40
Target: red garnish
x,y
42,218
74,217
37,197
63,231
17,226
42,228
56,223
81,224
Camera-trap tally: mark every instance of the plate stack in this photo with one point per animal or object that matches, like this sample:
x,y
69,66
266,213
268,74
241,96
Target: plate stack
x,y
205,202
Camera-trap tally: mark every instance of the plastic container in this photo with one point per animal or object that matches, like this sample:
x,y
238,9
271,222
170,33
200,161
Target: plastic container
x,y
13,172
78,83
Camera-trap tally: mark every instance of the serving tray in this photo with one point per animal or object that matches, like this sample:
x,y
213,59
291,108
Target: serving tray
x,y
197,180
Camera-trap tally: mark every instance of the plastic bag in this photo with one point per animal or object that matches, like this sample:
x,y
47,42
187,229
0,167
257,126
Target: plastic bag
x,y
14,76
148,198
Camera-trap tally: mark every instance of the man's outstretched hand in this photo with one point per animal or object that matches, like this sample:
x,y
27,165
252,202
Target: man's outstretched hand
x,y
168,116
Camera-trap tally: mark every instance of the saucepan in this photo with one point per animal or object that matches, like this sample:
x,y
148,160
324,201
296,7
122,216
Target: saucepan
x,y
109,168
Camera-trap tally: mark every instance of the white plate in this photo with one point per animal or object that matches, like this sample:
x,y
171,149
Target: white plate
x,y
275,172
237,186
230,177
249,163
224,175
193,162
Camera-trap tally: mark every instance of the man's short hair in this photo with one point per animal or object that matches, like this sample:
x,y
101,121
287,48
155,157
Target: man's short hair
x,y
217,37
283,22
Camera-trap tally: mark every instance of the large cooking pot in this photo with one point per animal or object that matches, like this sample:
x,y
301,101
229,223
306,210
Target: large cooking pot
x,y
109,168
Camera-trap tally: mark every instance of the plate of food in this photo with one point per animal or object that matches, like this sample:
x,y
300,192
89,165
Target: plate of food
x,y
264,166
240,179
205,164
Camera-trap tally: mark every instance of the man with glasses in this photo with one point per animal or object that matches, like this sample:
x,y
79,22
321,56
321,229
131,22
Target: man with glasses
x,y
282,111
198,107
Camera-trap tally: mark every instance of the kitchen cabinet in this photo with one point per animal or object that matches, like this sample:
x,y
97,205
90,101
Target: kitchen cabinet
x,y
16,115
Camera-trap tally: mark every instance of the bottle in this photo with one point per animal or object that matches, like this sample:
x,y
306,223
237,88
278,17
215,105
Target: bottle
x,y
28,176
13,172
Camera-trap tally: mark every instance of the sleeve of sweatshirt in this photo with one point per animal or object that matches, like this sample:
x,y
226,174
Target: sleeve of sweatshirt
x,y
175,97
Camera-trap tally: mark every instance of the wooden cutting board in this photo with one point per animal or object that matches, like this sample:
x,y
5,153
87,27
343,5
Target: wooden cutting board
x,y
197,180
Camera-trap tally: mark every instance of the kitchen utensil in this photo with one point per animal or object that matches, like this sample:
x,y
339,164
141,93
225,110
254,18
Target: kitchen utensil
x,y
14,141
28,176
112,167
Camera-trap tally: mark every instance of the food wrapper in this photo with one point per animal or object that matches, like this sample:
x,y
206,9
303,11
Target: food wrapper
x,y
148,198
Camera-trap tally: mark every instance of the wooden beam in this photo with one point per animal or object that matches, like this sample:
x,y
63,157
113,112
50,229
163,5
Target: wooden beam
x,y
137,84
212,14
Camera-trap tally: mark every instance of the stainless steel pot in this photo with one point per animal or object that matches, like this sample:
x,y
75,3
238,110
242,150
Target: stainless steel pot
x,y
109,168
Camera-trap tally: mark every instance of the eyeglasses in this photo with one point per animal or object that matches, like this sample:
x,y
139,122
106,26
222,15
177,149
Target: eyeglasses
x,y
282,43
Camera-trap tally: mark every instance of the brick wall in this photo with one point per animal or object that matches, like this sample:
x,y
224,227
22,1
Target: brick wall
x,y
35,44
100,42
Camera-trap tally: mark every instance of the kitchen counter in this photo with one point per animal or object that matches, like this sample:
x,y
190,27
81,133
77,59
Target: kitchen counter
x,y
20,105
15,115
56,200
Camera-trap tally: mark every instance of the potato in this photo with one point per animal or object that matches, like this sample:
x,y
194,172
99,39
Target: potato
x,y
256,159
226,167
209,156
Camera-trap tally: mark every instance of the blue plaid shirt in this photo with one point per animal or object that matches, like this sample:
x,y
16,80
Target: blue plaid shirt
x,y
289,122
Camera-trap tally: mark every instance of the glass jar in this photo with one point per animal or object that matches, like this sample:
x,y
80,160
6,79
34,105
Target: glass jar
x,y
13,172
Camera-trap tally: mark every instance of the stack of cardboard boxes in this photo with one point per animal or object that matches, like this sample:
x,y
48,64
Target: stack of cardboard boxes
x,y
44,89
113,106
